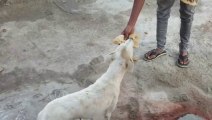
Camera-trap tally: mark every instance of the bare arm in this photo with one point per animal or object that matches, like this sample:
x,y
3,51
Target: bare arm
x,y
137,6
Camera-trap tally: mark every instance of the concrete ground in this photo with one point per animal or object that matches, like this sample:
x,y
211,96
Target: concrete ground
x,y
52,48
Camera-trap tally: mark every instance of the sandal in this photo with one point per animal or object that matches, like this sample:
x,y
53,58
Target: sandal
x,y
154,53
184,60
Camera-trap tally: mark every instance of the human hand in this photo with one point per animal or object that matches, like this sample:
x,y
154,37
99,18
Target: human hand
x,y
128,31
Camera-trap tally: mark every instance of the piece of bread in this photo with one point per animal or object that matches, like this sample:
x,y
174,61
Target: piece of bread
x,y
190,2
135,39
120,39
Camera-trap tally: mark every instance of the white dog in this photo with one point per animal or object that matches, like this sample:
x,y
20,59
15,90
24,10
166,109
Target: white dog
x,y
98,101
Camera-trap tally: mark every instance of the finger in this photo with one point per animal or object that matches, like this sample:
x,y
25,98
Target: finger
x,y
124,33
126,36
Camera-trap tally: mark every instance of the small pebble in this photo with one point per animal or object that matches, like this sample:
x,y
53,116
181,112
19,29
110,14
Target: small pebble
x,y
147,4
4,30
1,69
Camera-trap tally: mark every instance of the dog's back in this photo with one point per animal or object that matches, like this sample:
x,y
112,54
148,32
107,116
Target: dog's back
x,y
88,102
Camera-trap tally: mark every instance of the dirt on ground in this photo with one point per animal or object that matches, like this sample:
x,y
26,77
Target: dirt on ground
x,y
52,48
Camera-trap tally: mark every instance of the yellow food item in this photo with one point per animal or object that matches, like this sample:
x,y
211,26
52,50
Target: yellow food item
x,y
120,39
136,40
190,2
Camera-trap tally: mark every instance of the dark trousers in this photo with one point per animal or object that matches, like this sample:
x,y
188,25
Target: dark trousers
x,y
163,14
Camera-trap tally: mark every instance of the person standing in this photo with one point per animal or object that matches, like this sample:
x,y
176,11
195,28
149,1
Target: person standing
x,y
187,9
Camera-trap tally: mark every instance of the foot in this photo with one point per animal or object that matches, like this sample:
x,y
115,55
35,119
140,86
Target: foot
x,y
183,60
154,54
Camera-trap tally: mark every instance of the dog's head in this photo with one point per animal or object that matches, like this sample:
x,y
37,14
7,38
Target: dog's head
x,y
124,54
